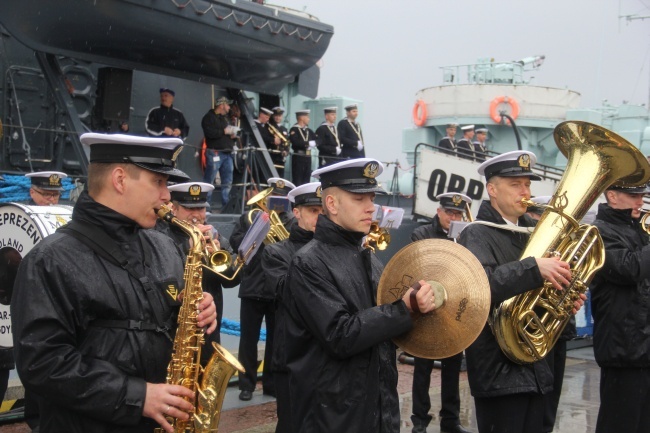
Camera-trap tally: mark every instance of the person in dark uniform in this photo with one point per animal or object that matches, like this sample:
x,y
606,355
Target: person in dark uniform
x,y
448,143
350,134
556,357
262,122
257,304
464,147
340,359
279,157
452,208
95,347
620,306
46,187
219,141
189,201
480,148
303,140
307,205
166,120
508,396
329,145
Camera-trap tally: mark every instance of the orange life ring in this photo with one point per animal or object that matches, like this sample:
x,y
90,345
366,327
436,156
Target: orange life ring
x,y
420,113
514,108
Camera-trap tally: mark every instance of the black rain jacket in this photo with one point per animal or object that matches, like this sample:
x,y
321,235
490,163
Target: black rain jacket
x,y
92,378
490,372
620,292
429,231
342,364
213,126
275,263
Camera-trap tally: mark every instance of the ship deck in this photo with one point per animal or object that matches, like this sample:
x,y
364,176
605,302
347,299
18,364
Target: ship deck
x,y
577,413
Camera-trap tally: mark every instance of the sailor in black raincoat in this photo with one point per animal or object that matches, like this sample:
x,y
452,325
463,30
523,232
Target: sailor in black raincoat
x,y
307,205
94,304
257,305
620,300
508,396
341,362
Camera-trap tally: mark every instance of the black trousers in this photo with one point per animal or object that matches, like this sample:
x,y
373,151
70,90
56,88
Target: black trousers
x,y
515,413
300,169
449,413
282,400
556,361
624,400
253,311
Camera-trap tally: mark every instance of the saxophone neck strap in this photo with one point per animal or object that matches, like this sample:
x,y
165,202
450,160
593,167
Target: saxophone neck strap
x,y
103,245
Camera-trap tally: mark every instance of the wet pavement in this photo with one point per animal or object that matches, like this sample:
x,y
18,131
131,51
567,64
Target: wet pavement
x,y
577,412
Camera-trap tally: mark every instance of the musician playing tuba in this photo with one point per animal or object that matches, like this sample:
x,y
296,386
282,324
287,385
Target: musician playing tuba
x,y
94,306
257,303
508,396
189,204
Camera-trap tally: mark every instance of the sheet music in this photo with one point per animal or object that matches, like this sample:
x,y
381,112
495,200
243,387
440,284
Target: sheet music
x,y
255,236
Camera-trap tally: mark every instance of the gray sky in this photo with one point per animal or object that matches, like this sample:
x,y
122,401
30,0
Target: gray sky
x,y
383,51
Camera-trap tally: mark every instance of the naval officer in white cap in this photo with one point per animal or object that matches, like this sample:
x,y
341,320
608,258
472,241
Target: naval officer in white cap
x,y
95,304
464,147
508,396
340,359
350,134
46,187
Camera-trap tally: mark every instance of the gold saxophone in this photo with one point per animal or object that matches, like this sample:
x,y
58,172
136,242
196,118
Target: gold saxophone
x,y
209,383
527,326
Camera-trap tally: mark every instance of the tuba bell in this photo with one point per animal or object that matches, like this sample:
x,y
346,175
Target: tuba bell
x,y
527,326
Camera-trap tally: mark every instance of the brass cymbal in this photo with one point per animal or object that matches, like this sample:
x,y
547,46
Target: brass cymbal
x,y
455,325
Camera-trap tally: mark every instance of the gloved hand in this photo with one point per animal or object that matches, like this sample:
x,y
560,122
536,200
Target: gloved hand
x,y
338,151
312,144
360,147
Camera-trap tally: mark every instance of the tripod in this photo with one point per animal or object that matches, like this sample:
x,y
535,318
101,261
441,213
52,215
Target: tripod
x,y
394,185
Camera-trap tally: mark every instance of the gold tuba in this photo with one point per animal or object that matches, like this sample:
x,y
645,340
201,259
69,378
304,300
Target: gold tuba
x,y
277,232
209,383
527,326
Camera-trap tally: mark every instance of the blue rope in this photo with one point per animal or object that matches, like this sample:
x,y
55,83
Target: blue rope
x,y
16,188
230,327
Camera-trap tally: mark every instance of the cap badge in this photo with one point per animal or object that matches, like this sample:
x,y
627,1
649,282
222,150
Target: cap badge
x,y
319,191
55,180
195,190
456,200
370,170
279,184
524,161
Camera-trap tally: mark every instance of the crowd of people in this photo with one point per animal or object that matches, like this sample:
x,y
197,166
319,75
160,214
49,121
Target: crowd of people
x,y
92,347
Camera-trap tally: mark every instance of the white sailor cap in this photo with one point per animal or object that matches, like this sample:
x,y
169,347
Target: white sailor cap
x,y
50,180
328,110
511,164
354,175
278,110
302,113
481,128
308,194
454,200
467,128
452,125
266,111
191,194
351,107
157,154
280,186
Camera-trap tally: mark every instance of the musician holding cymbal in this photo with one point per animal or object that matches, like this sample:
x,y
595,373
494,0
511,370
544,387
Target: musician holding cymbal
x,y
340,360
508,395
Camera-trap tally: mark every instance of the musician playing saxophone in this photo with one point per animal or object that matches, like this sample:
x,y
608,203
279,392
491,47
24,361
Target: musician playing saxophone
x,y
95,346
620,305
189,204
508,396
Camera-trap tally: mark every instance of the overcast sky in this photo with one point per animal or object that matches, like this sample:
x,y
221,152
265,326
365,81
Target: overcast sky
x,y
383,51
